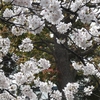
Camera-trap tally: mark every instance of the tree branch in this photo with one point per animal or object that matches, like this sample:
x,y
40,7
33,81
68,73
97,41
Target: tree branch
x,y
89,51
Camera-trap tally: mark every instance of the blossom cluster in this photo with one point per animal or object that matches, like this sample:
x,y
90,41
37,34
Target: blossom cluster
x,y
89,69
23,23
46,87
81,38
43,63
88,90
24,76
26,45
4,46
70,90
62,27
52,11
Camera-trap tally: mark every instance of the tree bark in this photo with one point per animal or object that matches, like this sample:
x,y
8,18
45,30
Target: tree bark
x,y
66,72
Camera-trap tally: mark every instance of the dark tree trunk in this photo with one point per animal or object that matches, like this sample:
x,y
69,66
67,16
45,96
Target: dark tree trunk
x,y
66,72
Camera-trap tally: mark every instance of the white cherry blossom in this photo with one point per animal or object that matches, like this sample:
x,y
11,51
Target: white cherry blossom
x,y
70,90
26,45
88,90
62,27
8,13
43,63
35,24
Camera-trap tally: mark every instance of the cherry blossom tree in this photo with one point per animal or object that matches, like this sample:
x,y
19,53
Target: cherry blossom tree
x,y
74,28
